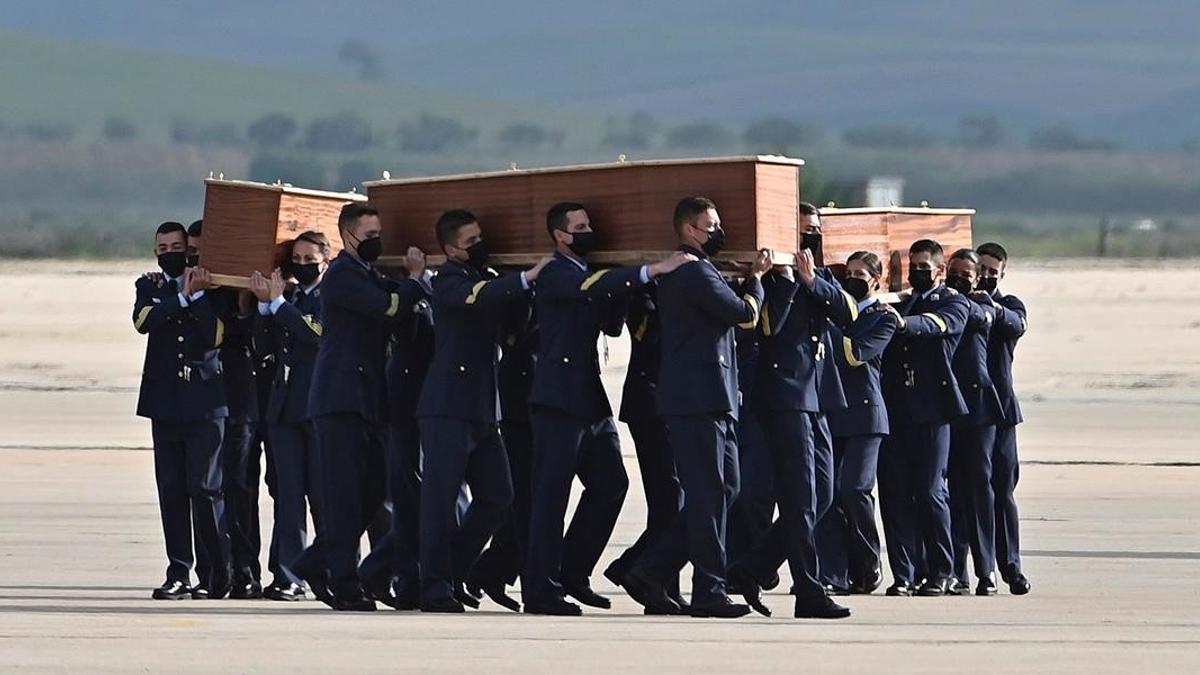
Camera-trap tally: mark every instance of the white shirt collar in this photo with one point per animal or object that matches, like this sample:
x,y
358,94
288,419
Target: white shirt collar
x,y
578,263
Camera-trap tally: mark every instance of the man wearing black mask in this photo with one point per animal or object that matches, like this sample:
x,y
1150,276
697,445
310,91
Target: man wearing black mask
x,y
922,398
458,415
573,430
348,404
183,395
1007,329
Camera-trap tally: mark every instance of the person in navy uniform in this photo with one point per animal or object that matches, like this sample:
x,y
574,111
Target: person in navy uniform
x,y
1008,327
639,412
348,404
698,400
847,539
972,436
458,415
390,571
501,564
573,430
288,326
183,394
922,398
241,452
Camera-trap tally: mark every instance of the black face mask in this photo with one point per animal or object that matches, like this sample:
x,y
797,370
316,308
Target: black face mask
x,y
305,273
960,284
920,280
193,260
477,254
859,288
582,243
812,242
172,263
988,284
370,249
715,242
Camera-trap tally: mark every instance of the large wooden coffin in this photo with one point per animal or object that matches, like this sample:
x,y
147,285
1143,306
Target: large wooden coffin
x,y
888,232
630,205
248,225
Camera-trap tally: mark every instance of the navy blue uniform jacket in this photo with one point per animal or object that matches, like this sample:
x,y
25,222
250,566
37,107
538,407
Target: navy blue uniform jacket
x,y
858,353
971,367
292,335
918,383
1008,327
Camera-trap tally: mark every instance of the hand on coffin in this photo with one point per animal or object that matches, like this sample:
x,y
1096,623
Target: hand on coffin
x,y
764,262
275,285
414,261
258,286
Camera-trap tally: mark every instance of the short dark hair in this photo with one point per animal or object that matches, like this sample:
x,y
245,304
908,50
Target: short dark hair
x,y
870,261
451,222
317,239
196,229
806,209
556,217
352,212
929,246
993,249
169,227
689,209
968,255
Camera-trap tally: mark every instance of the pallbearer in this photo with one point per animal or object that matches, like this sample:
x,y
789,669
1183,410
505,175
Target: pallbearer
x,y
183,395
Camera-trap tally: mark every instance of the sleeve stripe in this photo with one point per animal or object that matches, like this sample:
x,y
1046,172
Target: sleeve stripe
x,y
753,302
848,346
142,316
313,324
394,307
470,298
591,281
934,317
766,320
641,331
220,333
852,304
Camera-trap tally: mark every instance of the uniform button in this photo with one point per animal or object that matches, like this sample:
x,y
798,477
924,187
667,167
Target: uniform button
x,y
906,365
179,339
975,386
628,283
524,373
566,359
943,383
721,358
462,369
406,371
181,356
285,350
866,401
181,374
774,365
815,338
360,369
905,347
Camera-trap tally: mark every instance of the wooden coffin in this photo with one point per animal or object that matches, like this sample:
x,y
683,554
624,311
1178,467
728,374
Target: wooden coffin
x,y
248,225
630,205
888,232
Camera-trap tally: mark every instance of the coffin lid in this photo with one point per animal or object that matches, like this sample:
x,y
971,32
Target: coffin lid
x,y
287,188
905,210
759,159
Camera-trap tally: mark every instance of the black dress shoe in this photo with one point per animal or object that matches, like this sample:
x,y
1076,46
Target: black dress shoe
x,y
933,588
468,600
867,587
172,590
830,589
677,598
748,588
649,593
552,606
286,592
959,587
495,591
900,589
615,575
1018,584
769,582
245,589
722,608
822,607
349,597
585,595
200,593
219,586
986,586
442,606
381,590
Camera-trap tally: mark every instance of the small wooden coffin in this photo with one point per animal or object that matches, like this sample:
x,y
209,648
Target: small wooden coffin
x,y
630,205
888,232
247,225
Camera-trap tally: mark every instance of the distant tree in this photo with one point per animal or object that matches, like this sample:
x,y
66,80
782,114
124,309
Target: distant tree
x,y
119,129
187,131
699,135
343,132
777,134
183,130
301,170
635,132
1190,146
361,55
431,133
524,133
353,172
47,132
889,137
980,131
272,131
1065,139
